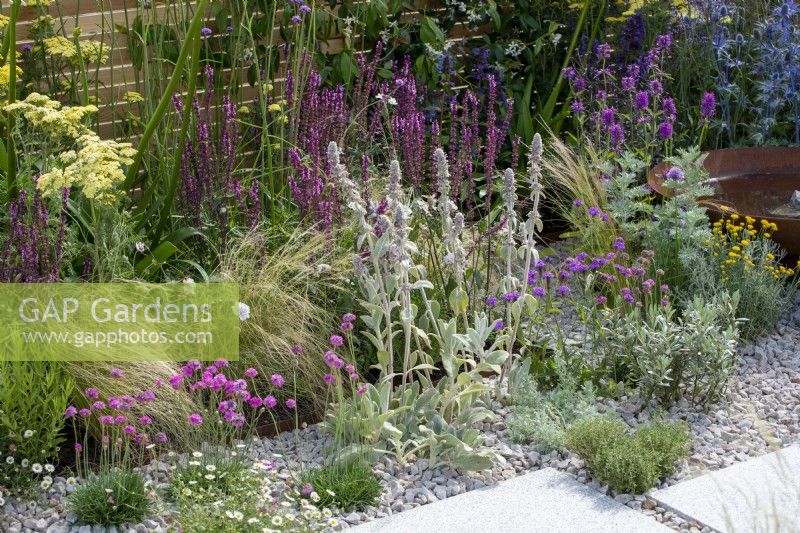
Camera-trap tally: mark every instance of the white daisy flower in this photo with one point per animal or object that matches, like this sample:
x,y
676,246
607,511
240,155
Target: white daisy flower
x,y
9,460
71,481
210,476
237,515
28,433
49,468
24,463
277,520
197,454
36,468
211,468
45,484
244,311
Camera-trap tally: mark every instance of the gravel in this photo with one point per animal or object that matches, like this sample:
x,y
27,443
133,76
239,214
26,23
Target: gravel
x,y
760,413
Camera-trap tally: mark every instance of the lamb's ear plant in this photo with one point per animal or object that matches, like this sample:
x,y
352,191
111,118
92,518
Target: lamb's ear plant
x,y
406,412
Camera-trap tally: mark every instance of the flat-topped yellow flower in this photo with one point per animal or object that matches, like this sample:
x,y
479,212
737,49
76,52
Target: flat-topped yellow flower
x,y
90,51
48,115
96,168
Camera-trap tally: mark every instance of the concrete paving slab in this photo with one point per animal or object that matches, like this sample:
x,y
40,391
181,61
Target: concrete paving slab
x,y
545,501
759,496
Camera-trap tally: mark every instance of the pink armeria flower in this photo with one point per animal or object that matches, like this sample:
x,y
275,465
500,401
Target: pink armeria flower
x,y
175,381
291,403
116,373
251,372
91,392
278,380
98,405
84,412
145,420
70,412
129,429
195,419
161,438
337,341
270,402
362,389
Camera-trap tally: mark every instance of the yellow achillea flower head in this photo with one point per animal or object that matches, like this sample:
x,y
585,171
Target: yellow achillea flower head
x,y
96,168
132,97
48,115
90,51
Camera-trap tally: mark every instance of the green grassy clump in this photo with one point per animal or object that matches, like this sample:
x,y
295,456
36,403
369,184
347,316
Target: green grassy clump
x,y
112,498
346,484
628,463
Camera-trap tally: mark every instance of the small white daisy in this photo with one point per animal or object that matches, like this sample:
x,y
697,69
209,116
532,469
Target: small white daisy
x,y
49,468
277,520
36,468
28,433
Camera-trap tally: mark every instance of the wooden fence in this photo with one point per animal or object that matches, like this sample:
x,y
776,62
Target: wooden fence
x,y
107,21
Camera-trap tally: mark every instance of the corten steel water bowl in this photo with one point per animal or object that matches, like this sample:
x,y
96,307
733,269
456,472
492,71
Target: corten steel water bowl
x,y
751,181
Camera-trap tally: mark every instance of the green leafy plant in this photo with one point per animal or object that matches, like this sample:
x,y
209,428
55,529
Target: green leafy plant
x,y
543,417
629,463
111,498
33,398
347,484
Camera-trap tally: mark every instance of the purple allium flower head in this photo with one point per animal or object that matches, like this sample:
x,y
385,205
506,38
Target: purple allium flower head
x,y
329,378
270,402
354,376
349,369
601,300
594,211
70,412
121,419
116,373
548,275
161,437
346,327
106,420
129,429
708,105
491,301
539,292
98,406
498,324
84,412
675,173
195,419
348,317
665,130
145,420
304,9
291,403
642,101
337,341
91,392
562,290
296,19
278,380
577,202
664,288
619,243
206,32
297,349
251,372
511,296
254,402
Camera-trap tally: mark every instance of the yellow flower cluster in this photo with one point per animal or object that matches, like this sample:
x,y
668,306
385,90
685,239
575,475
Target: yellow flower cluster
x,y
733,239
5,75
90,51
94,165
32,3
682,8
132,97
96,168
4,20
48,115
